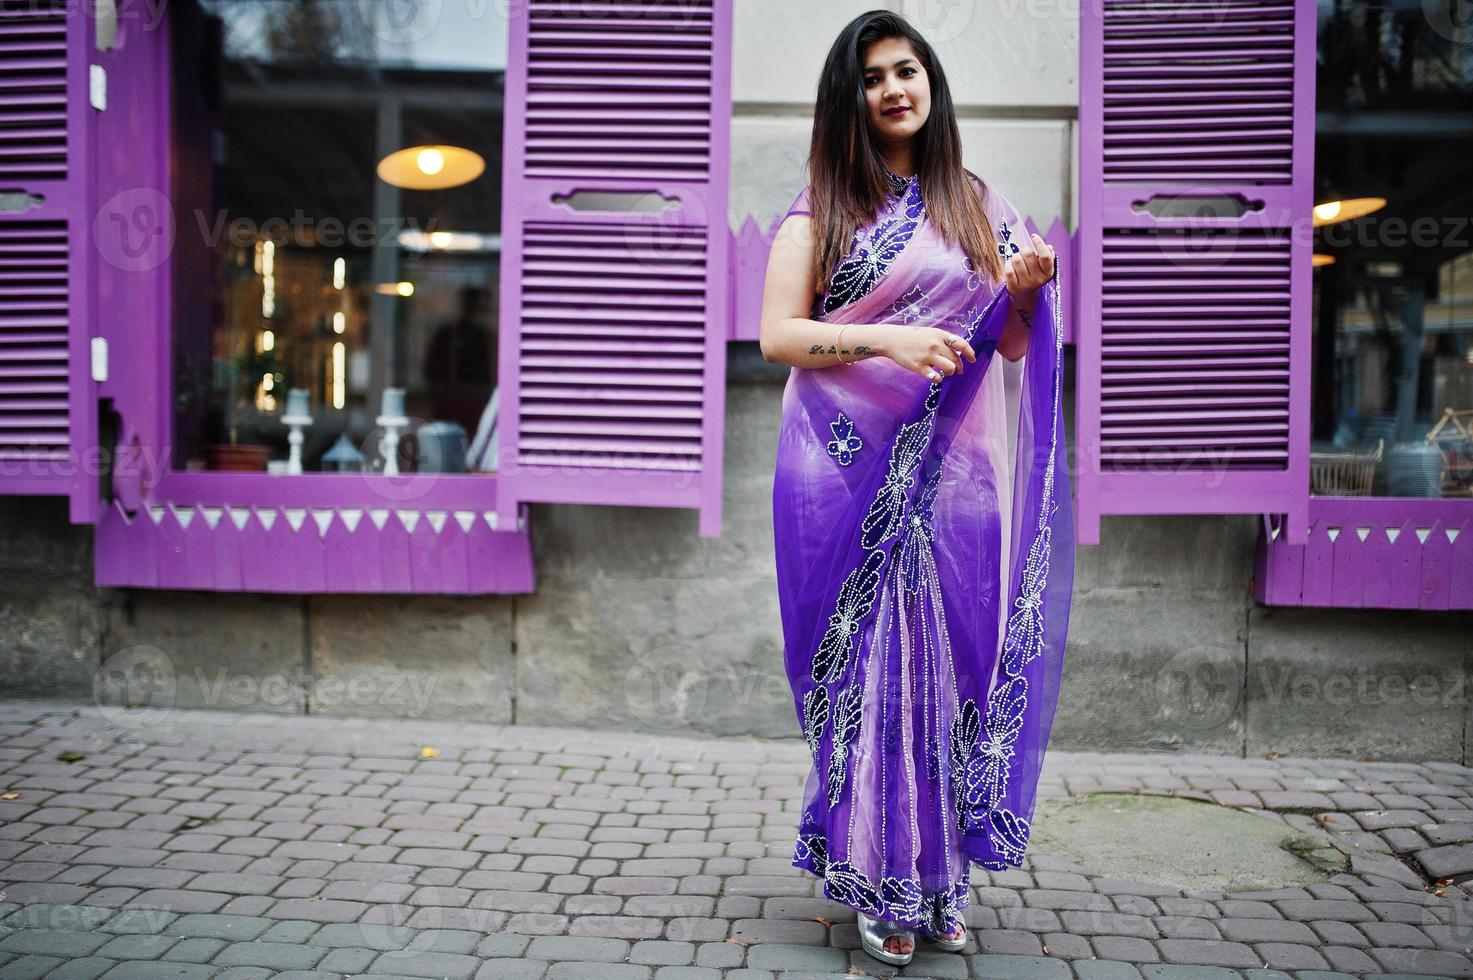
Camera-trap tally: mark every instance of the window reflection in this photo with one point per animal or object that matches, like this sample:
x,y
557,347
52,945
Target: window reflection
x,y
327,263
1393,289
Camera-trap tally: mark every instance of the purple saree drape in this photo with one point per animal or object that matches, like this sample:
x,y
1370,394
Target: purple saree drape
x,y
924,548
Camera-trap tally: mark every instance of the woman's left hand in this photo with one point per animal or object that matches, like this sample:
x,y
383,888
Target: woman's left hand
x,y
1030,268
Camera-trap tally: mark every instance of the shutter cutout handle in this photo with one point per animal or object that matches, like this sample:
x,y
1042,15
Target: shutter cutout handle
x,y
1218,206
105,33
620,202
19,202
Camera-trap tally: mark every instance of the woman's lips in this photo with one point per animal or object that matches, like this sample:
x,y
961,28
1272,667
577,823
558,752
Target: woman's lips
x,y
898,111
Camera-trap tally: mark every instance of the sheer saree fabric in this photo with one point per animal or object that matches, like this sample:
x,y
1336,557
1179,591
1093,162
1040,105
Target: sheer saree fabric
x,y
924,548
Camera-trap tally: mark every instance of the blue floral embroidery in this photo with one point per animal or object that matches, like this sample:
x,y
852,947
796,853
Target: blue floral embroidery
x,y
856,596
869,261
1007,248
845,443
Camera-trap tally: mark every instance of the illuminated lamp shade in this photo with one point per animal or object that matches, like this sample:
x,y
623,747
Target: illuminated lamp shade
x,y
1346,210
1317,259
431,167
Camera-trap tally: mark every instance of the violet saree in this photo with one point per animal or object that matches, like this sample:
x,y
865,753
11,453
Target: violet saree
x,y
924,546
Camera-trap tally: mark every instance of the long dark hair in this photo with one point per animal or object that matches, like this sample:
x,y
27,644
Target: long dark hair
x,y
847,182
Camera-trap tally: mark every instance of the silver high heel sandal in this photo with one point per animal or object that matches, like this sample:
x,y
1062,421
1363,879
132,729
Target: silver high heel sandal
x,y
949,945
872,936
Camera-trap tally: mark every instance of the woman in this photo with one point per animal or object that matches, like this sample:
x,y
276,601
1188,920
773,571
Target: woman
x,y
921,509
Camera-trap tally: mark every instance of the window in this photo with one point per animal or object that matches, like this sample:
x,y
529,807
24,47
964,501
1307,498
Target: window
x,y
1393,283
348,233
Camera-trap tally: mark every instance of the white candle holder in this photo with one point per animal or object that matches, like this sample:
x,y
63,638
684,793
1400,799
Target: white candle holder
x,y
388,444
296,422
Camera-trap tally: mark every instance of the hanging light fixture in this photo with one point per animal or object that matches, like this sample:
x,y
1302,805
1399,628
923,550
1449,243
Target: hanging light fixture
x,y
431,167
1345,210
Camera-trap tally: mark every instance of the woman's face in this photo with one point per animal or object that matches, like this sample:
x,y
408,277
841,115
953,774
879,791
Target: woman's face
x,y
894,77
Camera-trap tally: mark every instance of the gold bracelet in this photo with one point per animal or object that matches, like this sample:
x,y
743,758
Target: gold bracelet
x,y
837,342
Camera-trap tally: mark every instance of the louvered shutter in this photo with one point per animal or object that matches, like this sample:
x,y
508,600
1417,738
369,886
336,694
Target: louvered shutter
x,y
1193,343
47,421
613,346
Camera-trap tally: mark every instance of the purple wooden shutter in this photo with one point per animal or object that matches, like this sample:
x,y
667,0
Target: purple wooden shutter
x,y
47,421
613,347
1193,343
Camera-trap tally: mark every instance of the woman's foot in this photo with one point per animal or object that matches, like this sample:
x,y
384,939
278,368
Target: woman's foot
x,y
953,942
888,942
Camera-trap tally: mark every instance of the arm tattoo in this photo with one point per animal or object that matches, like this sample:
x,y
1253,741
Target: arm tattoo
x,y
861,350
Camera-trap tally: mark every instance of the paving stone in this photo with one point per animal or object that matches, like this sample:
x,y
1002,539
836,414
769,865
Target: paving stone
x,y
512,969
86,968
657,952
1420,962
720,955
1165,971
1268,931
1447,861
1247,909
139,970
1339,933
197,950
234,928
418,963
1207,952
1396,934
1385,819
137,947
1009,942
1187,927
1348,959
1105,970
784,956
597,971
60,943
1000,967
1290,956
1066,946
1306,909
346,960
271,956
1125,948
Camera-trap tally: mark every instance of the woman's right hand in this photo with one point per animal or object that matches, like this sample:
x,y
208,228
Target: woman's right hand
x,y
921,349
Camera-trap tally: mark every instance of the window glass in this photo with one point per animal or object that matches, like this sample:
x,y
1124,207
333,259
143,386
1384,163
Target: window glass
x,y
338,165
1393,282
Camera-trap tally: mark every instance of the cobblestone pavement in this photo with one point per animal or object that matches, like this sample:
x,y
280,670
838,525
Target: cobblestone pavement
x,y
198,844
